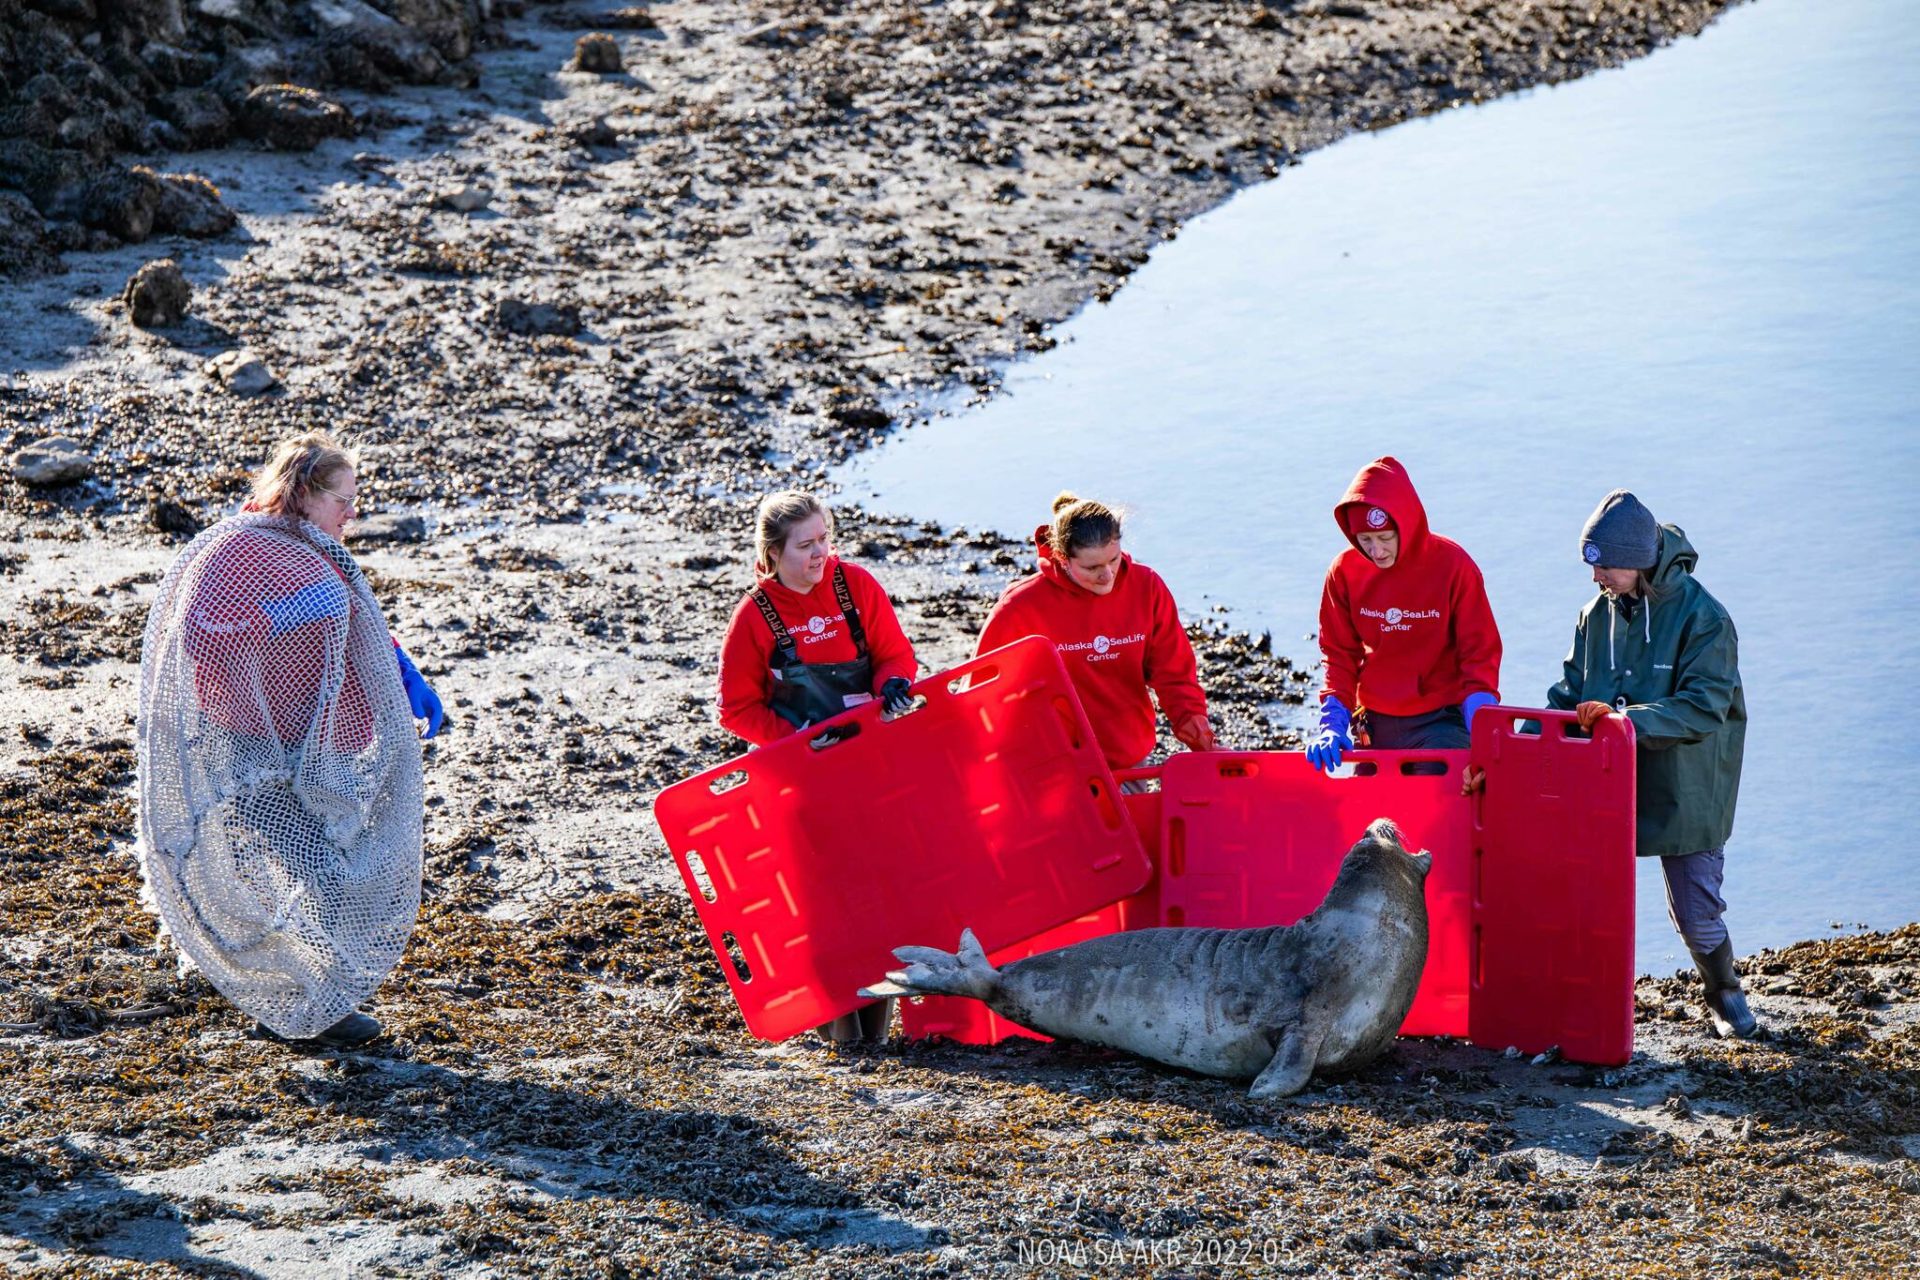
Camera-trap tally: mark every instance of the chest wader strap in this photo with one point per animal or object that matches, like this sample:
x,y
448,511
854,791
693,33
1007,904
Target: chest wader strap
x,y
845,597
782,638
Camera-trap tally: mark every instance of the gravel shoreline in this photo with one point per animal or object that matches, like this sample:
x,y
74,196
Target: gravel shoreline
x,y
710,273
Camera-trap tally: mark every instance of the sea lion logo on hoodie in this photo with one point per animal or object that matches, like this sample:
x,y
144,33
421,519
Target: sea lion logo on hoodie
x,y
1104,648
819,628
1395,619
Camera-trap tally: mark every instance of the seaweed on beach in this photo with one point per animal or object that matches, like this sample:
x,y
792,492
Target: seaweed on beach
x,y
586,1065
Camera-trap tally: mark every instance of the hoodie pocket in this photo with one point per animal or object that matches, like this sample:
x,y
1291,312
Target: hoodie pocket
x,y
1383,687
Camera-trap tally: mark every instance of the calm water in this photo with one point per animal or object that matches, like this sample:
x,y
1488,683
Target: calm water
x,y
1697,276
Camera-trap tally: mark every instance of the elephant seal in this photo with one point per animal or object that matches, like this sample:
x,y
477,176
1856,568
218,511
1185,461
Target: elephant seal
x,y
1325,994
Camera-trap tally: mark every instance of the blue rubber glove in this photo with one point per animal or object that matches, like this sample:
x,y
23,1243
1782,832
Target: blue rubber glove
x,y
1323,752
424,701
1474,702
896,695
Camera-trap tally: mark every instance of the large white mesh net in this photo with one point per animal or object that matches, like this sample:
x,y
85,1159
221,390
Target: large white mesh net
x,y
279,769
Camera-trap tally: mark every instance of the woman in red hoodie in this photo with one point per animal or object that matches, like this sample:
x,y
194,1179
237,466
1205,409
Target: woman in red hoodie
x,y
813,637
1405,627
1115,624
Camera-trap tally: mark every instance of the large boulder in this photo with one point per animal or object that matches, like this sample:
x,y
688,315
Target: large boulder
x,y
56,179
52,461
175,67
632,18
24,247
190,206
199,114
288,117
389,48
448,25
241,372
123,201
599,53
38,109
143,20
158,295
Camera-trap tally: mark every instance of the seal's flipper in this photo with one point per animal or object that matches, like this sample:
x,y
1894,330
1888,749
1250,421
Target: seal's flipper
x,y
1292,1064
932,972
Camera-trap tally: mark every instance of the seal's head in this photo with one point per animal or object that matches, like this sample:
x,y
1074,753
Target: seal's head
x,y
1379,859
1383,836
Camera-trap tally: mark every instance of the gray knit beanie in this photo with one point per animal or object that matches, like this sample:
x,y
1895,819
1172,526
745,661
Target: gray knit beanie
x,y
1620,534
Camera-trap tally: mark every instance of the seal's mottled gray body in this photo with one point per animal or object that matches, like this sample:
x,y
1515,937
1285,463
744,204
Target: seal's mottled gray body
x,y
1328,993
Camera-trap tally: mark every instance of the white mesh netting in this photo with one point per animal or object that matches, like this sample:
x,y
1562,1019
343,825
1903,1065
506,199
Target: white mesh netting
x,y
279,769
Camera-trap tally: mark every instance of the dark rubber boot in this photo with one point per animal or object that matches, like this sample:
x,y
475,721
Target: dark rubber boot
x,y
1726,1003
354,1029
875,1019
844,1029
867,1023
350,1032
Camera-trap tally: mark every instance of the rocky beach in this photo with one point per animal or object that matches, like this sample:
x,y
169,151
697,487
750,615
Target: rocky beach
x,y
583,281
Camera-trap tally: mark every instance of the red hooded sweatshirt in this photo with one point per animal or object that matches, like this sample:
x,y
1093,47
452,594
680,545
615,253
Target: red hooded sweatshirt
x,y
1414,637
820,633
1116,647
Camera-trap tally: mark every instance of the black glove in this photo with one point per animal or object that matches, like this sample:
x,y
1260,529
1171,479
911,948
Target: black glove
x,y
827,737
896,694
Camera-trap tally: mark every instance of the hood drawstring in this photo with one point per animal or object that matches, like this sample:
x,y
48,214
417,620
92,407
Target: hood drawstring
x,y
1646,622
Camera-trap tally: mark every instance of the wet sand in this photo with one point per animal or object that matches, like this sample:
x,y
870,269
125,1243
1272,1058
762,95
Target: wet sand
x,y
773,224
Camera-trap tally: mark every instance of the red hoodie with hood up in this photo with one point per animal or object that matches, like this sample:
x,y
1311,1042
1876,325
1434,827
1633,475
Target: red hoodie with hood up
x,y
1116,647
1416,636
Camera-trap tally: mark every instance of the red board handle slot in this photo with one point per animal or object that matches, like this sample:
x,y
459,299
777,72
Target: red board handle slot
x,y
1110,813
977,678
736,958
1512,721
727,782
697,870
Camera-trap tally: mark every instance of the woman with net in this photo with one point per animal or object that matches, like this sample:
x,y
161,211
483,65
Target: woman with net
x,y
280,791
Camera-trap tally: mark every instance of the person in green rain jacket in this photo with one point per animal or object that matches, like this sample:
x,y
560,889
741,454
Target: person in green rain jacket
x,y
1655,647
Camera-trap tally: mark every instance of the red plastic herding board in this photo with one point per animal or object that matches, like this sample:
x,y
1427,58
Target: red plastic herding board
x,y
1552,889
989,807
1250,839
971,1022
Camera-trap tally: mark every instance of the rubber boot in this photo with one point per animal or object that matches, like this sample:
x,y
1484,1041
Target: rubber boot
x,y
844,1029
1726,1003
875,1020
351,1031
355,1028
869,1023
